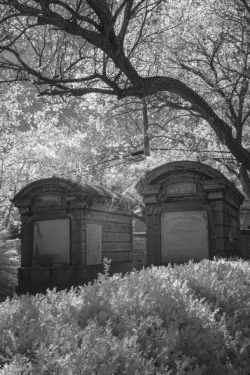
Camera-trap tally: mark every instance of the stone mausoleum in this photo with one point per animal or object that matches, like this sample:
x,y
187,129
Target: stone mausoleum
x,y
67,230
191,212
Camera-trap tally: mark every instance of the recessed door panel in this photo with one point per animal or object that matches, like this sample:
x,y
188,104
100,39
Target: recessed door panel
x,y
51,242
184,236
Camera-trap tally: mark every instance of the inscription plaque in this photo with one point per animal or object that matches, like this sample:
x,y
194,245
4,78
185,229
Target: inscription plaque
x,y
93,244
181,189
50,200
184,236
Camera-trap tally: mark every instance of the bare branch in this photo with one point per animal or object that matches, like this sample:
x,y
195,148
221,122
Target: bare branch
x,y
76,92
126,19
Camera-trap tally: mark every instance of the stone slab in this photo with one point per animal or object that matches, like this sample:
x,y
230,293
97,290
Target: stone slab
x,y
184,236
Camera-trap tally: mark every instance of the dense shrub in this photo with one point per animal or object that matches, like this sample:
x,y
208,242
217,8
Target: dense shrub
x,y
187,319
14,230
9,262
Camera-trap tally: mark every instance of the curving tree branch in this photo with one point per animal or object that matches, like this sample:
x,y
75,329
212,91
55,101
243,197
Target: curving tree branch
x,y
96,22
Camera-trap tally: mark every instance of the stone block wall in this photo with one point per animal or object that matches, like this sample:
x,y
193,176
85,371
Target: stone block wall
x,y
245,244
139,251
139,248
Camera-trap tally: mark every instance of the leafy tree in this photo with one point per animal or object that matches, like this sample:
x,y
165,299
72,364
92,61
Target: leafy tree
x,y
9,262
116,48
214,55
49,147
75,147
119,143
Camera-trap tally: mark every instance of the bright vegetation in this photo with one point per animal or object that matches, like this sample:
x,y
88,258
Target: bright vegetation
x,y
200,49
186,319
90,143
9,262
188,60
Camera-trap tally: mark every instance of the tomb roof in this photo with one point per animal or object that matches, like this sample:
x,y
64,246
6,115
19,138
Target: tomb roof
x,y
168,169
69,187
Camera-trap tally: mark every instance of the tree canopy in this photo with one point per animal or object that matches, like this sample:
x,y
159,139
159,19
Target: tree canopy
x,y
191,56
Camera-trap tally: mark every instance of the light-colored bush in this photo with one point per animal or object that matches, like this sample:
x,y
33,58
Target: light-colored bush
x,y
188,319
9,262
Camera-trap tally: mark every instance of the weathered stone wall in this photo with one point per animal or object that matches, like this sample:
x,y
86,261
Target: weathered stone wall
x,y
139,251
245,244
139,248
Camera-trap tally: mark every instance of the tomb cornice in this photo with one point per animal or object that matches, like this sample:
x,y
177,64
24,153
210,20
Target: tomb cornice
x,y
225,187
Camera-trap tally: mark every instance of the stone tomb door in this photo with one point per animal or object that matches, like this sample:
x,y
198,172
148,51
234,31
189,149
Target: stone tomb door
x,y
184,236
51,242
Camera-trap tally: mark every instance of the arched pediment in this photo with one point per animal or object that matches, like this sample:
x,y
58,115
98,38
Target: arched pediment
x,y
62,185
179,169
65,187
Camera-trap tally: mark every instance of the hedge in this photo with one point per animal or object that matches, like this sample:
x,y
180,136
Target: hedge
x,y
186,319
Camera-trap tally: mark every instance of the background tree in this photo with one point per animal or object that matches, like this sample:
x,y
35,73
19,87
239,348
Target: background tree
x,y
49,147
191,57
214,55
